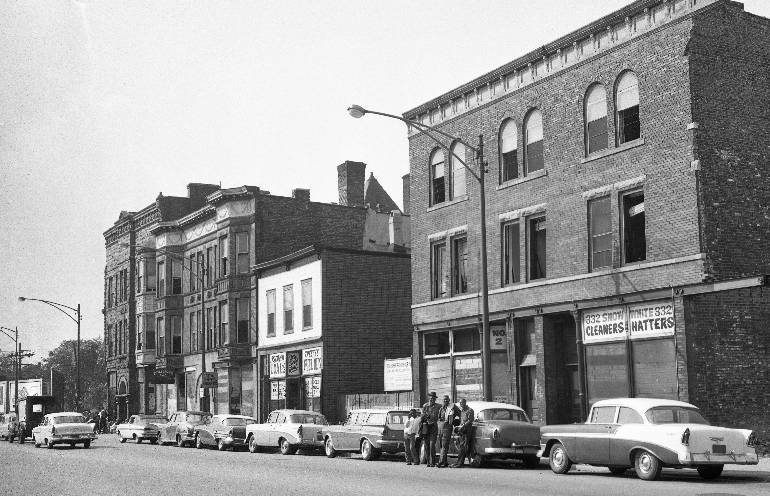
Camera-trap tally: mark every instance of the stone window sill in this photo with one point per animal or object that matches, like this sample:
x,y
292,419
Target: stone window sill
x,y
612,151
459,199
514,182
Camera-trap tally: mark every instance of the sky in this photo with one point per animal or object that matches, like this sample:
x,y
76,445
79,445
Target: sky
x,y
106,104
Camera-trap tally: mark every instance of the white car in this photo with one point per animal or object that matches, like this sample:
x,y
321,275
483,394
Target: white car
x,y
287,430
647,434
141,427
63,428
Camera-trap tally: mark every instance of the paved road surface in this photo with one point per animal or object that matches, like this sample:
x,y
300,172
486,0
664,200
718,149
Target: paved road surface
x,y
110,468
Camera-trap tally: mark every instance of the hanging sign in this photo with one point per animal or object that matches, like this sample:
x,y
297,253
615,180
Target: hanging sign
x,y
651,319
312,360
278,365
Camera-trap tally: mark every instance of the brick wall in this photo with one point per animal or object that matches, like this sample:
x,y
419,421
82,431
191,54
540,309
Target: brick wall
x,y
729,56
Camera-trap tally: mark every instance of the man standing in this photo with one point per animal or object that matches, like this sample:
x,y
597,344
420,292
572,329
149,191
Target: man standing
x,y
446,417
463,432
411,432
430,412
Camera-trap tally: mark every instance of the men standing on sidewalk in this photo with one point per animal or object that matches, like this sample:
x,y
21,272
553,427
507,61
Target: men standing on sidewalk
x,y
446,417
467,415
411,434
430,412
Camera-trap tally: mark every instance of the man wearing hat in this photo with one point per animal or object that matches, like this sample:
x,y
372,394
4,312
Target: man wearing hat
x,y
430,412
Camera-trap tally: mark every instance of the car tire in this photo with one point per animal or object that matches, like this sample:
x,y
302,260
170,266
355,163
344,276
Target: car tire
x,y
252,444
221,446
710,472
34,441
180,442
476,460
122,439
329,448
138,440
160,438
368,452
531,461
72,445
285,447
153,440
198,443
86,444
559,460
616,470
647,465
49,443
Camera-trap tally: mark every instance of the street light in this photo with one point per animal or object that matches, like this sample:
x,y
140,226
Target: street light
x,y
201,277
65,309
357,112
17,358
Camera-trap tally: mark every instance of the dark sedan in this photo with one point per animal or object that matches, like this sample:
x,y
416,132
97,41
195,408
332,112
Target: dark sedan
x,y
223,431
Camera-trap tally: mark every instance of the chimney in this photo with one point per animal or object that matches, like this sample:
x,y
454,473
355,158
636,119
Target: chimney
x,y
407,194
350,182
197,193
301,194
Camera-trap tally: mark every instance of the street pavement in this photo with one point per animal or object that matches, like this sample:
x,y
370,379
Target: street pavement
x,y
111,468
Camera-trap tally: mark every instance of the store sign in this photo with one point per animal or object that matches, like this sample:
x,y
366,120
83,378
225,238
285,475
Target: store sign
x,y
312,361
208,380
647,320
278,365
398,374
292,364
313,387
277,390
498,339
637,321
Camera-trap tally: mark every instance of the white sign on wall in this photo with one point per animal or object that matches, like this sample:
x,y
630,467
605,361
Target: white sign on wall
x,y
637,321
604,324
647,320
278,365
398,374
312,361
498,339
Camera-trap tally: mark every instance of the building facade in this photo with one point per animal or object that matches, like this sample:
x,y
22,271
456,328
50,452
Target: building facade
x,y
627,219
328,318
180,292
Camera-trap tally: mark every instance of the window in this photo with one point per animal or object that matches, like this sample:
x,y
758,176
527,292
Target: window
x,y
139,275
193,331
223,252
437,343
466,340
533,137
209,326
438,274
139,332
242,242
109,292
508,142
176,334
600,226
150,333
288,309
242,311
151,275
176,277
270,312
224,330
458,182
634,239
437,183
161,336
629,416
537,250
603,415
210,265
161,279
193,273
307,303
124,285
627,108
459,265
596,119
511,254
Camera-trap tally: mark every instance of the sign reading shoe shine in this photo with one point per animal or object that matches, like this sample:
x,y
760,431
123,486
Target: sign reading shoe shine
x,y
637,321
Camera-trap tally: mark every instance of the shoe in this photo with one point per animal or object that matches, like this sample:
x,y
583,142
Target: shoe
x,y
454,465
408,463
429,465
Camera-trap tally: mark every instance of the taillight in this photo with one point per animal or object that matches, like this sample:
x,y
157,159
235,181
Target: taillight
x,y
751,442
299,431
686,437
495,434
53,430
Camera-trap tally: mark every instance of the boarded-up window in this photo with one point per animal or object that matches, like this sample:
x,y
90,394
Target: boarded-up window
x,y
468,382
438,373
606,371
654,363
600,224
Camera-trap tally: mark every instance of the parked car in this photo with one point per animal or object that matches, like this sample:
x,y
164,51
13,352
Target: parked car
x,y
223,431
63,428
288,430
8,426
647,434
180,428
500,431
141,427
368,431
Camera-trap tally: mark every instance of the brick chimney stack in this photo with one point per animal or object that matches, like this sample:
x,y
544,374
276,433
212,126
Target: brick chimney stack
x,y
350,182
301,194
406,192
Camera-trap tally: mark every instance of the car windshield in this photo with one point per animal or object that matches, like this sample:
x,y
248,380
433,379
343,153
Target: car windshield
x,y
239,421
197,417
154,419
502,414
674,415
69,419
307,418
396,420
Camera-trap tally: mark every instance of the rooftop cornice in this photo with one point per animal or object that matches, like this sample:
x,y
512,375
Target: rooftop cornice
x,y
221,195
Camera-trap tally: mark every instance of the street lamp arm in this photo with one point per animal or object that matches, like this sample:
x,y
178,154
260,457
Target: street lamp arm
x,y
3,329
58,306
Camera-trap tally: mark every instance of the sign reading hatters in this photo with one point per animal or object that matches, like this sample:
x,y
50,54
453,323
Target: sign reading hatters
x,y
638,321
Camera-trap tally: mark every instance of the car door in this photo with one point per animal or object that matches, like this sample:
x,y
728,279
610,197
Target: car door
x,y
594,442
169,430
206,430
626,435
262,431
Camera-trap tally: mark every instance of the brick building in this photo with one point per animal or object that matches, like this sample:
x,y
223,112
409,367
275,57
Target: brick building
x,y
328,318
180,292
627,219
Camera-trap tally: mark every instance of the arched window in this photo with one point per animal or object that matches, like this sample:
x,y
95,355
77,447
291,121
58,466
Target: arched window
x,y
437,181
533,137
458,170
509,164
627,108
596,119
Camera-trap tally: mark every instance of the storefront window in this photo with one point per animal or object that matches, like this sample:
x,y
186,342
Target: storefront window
x,y
313,393
606,371
277,395
437,343
654,364
468,380
466,340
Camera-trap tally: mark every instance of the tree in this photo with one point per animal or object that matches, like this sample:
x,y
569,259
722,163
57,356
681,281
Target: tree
x,y
93,373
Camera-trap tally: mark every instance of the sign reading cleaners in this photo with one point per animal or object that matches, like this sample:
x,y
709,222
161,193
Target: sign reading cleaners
x,y
637,321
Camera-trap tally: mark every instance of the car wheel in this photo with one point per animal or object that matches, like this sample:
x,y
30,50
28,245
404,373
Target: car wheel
x,y
221,445
559,461
49,443
198,443
615,470
21,439
122,439
285,447
531,461
647,465
179,441
72,445
368,452
153,440
160,438
476,460
138,440
329,448
709,472
252,443
87,444
34,441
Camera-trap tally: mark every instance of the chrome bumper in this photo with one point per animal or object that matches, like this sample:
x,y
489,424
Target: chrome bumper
x,y
524,449
708,458
390,445
72,438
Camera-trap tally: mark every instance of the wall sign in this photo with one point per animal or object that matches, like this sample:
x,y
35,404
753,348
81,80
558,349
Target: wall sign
x,y
498,339
209,380
292,364
277,390
312,360
637,321
398,374
278,365
604,324
648,320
